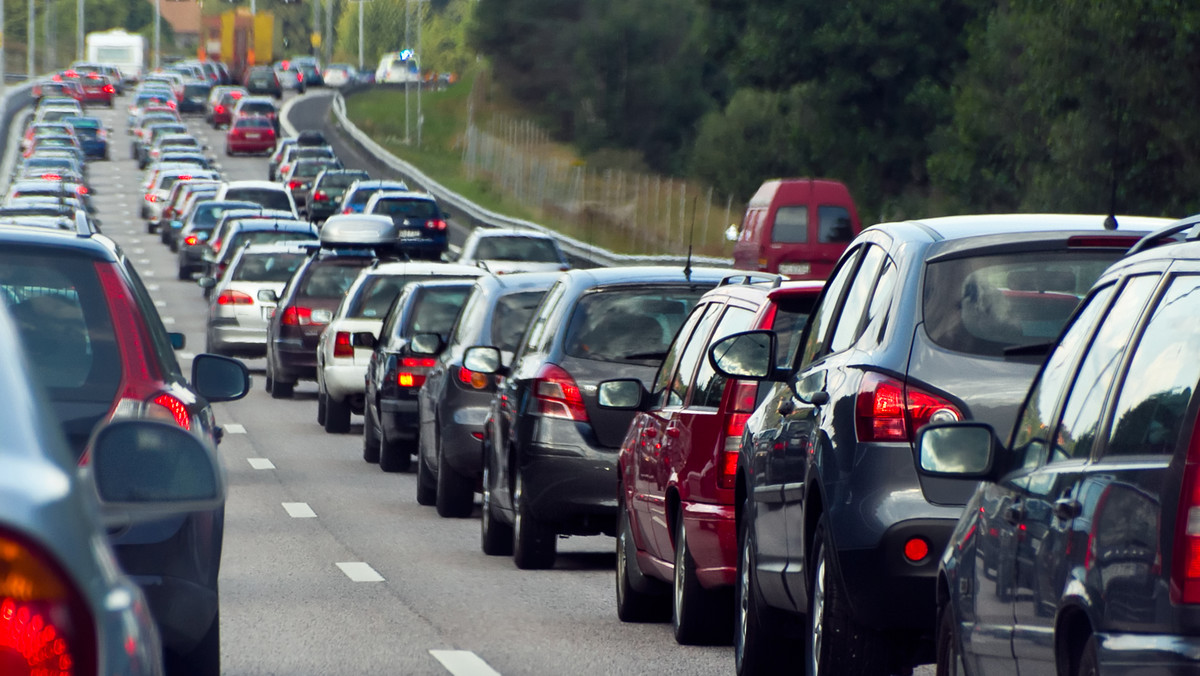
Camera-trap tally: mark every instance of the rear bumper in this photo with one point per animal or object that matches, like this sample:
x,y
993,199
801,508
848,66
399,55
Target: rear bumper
x,y
1145,654
344,380
251,146
461,449
574,489
399,418
295,364
238,339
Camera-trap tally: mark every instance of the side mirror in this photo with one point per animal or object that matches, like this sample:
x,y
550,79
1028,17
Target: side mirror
x,y
178,340
732,233
483,359
426,343
364,339
749,355
218,378
624,394
145,469
268,296
206,282
964,450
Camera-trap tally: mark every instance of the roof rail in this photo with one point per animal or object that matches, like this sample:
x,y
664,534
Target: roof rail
x,y
753,278
1168,233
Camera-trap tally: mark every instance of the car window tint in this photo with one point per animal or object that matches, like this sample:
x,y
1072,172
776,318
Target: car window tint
x,y
1080,423
791,225
710,385
850,319
830,299
875,323
538,338
530,249
791,315
339,179
510,317
1162,376
406,208
1035,419
689,359
631,326
239,239
272,267
437,308
163,351
667,368
470,321
329,280
834,225
267,197
362,195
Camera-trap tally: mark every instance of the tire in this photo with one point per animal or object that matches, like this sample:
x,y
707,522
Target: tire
x,y
394,456
268,382
534,542
837,643
426,483
184,274
337,416
1089,659
321,399
495,537
455,492
634,605
370,436
949,656
699,616
202,660
759,641
282,390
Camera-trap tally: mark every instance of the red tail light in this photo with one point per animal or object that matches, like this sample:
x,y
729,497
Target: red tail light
x,y
342,346
1185,566
219,108
418,362
435,224
740,407
171,105
472,379
294,185
299,316
557,394
191,240
82,190
347,210
45,627
320,196
234,297
889,410
176,408
410,377
282,171
109,89
151,197
235,95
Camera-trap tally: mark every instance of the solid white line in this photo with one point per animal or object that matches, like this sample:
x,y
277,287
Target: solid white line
x,y
463,663
233,428
299,510
260,463
358,571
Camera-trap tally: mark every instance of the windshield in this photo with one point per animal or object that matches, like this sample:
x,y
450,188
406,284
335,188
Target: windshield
x,y
268,198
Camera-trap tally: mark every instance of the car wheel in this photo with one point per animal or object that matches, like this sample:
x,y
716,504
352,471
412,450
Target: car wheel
x,y
837,643
321,399
1089,659
495,537
633,604
184,274
394,456
202,660
534,542
337,415
269,380
370,435
282,390
699,616
949,657
455,492
426,482
759,641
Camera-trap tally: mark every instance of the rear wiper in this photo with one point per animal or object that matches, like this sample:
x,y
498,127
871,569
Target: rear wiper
x,y
1029,350
646,355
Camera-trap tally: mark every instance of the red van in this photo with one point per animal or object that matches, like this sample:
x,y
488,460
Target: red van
x,y
796,227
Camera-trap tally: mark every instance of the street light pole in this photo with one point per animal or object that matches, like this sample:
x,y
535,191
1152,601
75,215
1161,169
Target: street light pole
x,y
79,30
157,34
31,40
420,75
360,33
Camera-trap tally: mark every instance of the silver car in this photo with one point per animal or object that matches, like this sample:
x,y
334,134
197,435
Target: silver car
x,y
244,298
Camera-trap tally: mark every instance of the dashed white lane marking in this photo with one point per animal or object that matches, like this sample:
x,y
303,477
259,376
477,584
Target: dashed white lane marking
x,y
168,320
137,240
140,251
300,510
463,663
148,273
152,287
185,355
358,571
233,428
144,261
260,463
160,303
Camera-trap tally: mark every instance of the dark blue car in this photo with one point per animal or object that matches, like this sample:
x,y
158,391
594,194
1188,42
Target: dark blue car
x,y
92,135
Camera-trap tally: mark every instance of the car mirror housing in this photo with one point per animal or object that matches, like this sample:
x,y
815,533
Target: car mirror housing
x,y
426,344
623,394
483,359
178,340
206,282
749,355
962,450
218,378
268,295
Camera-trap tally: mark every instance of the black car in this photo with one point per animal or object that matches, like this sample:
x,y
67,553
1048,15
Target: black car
x,y
195,97
1079,551
549,449
453,403
264,80
325,193
921,322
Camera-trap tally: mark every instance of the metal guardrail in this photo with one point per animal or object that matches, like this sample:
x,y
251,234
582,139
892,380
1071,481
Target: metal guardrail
x,y
482,217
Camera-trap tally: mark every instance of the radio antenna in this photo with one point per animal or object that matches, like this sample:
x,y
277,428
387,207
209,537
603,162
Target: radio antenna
x,y
687,264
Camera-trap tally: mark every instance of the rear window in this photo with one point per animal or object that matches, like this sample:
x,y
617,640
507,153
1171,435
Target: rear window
x,y
261,108
511,317
406,208
253,122
340,180
309,169
362,195
984,305
330,279
267,197
791,225
266,237
436,309
628,326
274,267
196,90
529,249
834,225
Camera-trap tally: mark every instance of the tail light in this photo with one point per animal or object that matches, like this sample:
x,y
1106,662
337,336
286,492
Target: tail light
x,y
171,105
1185,566
82,190
215,246
45,627
191,240
294,185
300,316
740,407
341,345
472,379
408,376
109,89
347,210
236,96
233,297
557,394
219,109
435,224
320,196
890,410
151,197
282,171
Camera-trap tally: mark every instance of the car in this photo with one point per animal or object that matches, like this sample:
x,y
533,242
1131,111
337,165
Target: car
x,y
677,532
250,134
159,188
92,135
195,96
290,77
340,75
252,230
355,199
342,363
216,240
197,225
147,134
267,194
300,174
222,109
262,80
177,141
295,151
53,187
325,192
419,217
453,402
95,342
238,311
97,88
924,321
183,195
310,69
1076,551
282,144
214,98
258,106
505,250
149,99
549,450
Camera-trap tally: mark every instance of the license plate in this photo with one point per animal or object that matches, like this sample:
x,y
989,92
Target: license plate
x,y
410,234
795,268
253,135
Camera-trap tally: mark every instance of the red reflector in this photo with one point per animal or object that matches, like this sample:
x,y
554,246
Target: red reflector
x,y
341,345
233,297
916,549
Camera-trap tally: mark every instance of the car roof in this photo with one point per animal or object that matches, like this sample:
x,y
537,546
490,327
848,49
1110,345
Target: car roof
x,y
482,233
297,247
645,274
97,247
427,267
957,227
255,183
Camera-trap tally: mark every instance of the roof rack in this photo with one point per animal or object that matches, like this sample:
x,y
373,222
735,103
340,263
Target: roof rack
x,y
1169,233
753,278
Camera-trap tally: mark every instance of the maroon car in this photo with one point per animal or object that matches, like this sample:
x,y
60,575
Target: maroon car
x,y
97,89
251,134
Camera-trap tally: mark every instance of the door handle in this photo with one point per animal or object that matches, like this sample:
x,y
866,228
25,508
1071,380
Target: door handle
x,y
1014,513
1067,509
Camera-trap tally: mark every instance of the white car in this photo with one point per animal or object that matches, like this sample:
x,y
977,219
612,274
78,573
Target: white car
x,y
269,194
244,298
341,357
505,250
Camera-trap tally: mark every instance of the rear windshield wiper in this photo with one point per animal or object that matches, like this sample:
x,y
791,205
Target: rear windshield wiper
x,y
1029,350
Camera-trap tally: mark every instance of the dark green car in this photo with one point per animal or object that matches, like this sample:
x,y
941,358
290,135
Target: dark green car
x,y
327,190
262,80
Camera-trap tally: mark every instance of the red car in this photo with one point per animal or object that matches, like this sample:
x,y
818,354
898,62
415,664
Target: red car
x,y
222,113
677,543
97,88
250,135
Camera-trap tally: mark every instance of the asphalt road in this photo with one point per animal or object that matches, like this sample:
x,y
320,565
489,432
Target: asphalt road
x,y
330,566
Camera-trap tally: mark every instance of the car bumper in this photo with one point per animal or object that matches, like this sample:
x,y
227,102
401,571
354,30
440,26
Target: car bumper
x,y
574,487
295,364
95,149
399,418
251,146
712,539
343,381
235,339
1145,654
462,439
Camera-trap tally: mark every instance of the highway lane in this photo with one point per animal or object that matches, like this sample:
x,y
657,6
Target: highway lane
x,y
303,504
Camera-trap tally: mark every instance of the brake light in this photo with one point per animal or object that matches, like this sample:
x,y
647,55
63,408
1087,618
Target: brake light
x,y
418,362
151,197
1185,566
347,210
474,379
216,246
741,406
235,95
342,346
284,169
889,410
320,196
299,76
109,89
219,109
234,297
45,627
51,177
191,240
557,394
171,408
1095,241
294,185
435,224
171,105
82,190
299,316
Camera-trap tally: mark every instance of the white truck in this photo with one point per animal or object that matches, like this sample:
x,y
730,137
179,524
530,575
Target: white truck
x,y
126,51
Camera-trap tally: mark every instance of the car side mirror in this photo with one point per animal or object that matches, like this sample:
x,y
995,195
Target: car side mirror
x,y
426,343
145,469
268,296
218,378
624,394
748,355
364,339
732,233
178,340
962,450
206,282
483,359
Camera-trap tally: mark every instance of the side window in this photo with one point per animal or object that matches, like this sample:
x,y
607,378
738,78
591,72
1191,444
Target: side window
x,y
1080,423
850,320
710,385
667,369
814,341
537,338
163,349
881,301
690,358
1035,418
834,225
791,225
1162,375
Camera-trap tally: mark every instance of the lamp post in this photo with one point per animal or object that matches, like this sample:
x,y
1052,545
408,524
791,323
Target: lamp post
x,y
31,39
157,33
360,33
79,30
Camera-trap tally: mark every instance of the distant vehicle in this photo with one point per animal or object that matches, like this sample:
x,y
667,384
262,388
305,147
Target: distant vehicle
x,y
126,51
506,250
398,68
796,227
